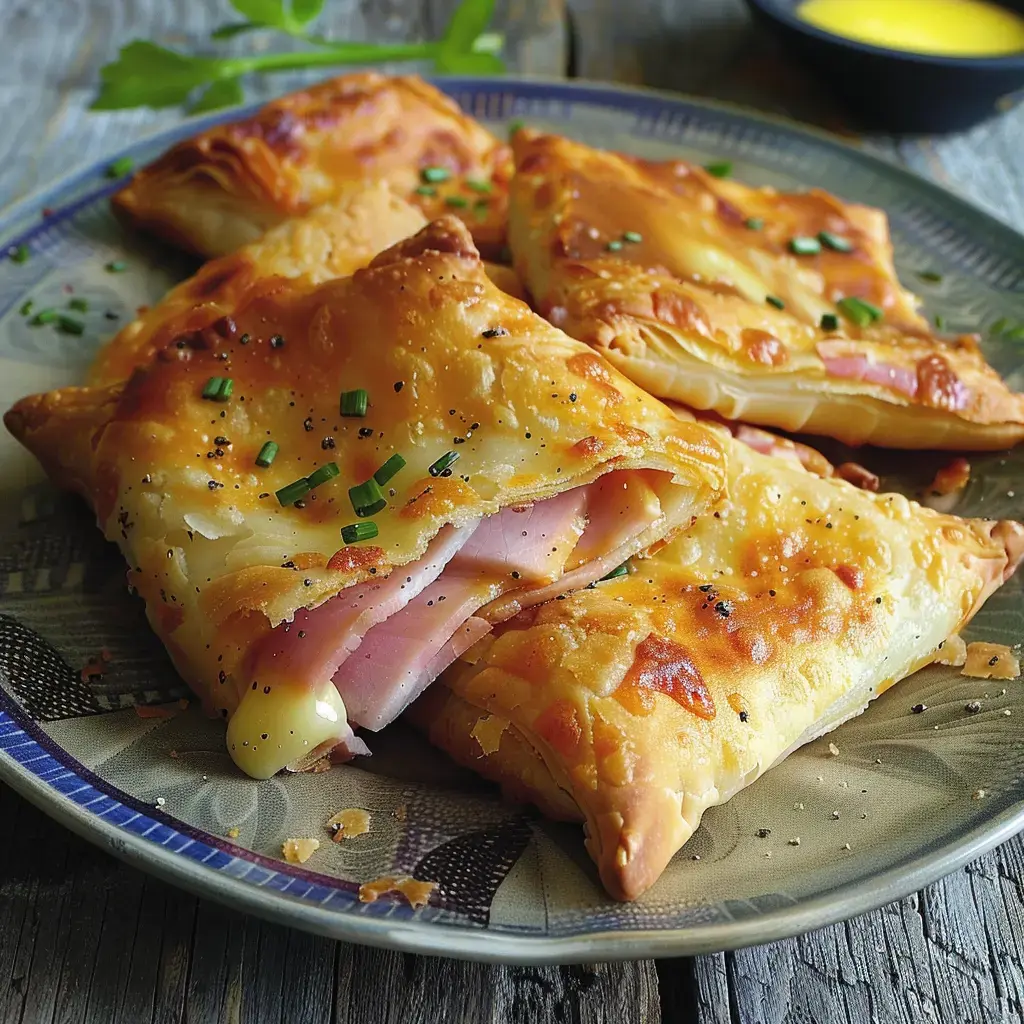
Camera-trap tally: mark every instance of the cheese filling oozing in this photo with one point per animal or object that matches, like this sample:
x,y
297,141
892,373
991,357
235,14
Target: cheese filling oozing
x,y
365,654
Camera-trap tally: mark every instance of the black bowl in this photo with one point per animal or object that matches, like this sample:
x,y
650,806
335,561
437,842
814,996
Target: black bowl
x,y
897,91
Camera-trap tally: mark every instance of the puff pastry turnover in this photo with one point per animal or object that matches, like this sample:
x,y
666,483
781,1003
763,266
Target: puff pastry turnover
x,y
227,186
332,240
499,461
639,703
690,285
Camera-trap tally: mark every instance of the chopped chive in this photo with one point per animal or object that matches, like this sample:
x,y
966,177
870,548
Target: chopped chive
x,y
754,223
443,464
116,266
774,300
79,304
619,570
367,498
862,313
458,202
328,471
614,245
940,322
515,125
44,316
267,454
391,466
1000,325
632,236
722,169
804,246
26,307
931,276
69,325
481,207
119,168
353,403
1017,334
218,389
426,190
18,254
835,242
479,185
432,175
355,532
829,322
293,492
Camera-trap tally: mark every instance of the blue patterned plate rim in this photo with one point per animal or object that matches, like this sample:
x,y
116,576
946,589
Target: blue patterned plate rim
x,y
38,768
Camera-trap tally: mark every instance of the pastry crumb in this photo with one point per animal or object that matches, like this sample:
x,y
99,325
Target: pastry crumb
x,y
990,661
833,750
346,824
951,478
488,732
233,832
416,892
979,794
298,851
795,841
401,812
952,651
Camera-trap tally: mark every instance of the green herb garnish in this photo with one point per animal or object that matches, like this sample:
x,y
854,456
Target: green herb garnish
x,y
614,245
835,242
829,322
774,300
804,246
367,498
218,389
479,185
267,454
293,492
69,325
26,307
633,237
18,253
80,305
722,169
355,532
116,266
433,175
458,202
119,168
754,223
147,75
861,312
354,403
444,464
426,190
391,466
44,316
931,276
619,570
328,471
940,322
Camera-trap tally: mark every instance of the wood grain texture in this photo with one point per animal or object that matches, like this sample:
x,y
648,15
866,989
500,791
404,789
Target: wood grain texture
x,y
83,938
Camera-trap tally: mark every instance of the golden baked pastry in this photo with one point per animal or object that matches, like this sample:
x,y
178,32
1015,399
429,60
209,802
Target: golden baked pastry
x,y
327,496
228,185
638,703
773,308
332,240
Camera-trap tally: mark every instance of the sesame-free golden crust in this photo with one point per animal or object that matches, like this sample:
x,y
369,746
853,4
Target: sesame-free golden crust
x,y
332,240
682,308
228,185
656,695
450,363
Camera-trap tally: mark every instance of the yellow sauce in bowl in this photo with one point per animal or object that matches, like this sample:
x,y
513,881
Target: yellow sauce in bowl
x,y
951,28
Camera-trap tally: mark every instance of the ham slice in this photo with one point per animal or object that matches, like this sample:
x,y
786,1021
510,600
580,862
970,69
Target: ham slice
x,y
382,643
840,362
310,647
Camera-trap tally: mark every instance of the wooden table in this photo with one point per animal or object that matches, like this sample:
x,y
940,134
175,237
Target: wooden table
x,y
84,938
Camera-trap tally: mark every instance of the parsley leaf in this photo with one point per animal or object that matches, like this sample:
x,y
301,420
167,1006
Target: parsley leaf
x,y
225,93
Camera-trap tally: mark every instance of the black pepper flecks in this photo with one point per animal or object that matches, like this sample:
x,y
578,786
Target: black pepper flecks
x,y
366,431
744,716
327,443
763,833
919,708
495,332
399,384
972,707
724,608
307,424
276,341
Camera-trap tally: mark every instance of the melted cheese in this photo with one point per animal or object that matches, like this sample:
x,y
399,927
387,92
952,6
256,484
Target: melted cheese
x,y
952,28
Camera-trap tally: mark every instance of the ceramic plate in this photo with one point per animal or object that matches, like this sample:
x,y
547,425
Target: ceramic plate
x,y
907,798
